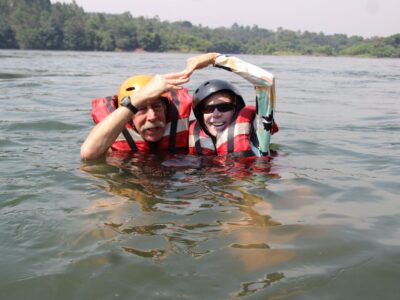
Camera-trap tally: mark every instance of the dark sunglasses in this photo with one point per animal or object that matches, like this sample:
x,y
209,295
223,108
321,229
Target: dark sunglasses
x,y
222,107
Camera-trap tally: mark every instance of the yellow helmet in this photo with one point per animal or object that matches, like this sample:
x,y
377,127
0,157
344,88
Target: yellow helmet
x,y
132,85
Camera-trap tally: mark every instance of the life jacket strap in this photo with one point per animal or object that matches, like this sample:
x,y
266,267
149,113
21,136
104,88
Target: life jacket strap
x,y
129,140
109,105
174,115
197,143
231,134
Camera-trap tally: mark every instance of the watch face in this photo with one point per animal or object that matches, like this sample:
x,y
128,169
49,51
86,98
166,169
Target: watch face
x,y
125,101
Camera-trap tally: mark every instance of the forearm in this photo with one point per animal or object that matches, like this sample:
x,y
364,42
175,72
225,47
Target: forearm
x,y
263,80
254,74
104,134
263,121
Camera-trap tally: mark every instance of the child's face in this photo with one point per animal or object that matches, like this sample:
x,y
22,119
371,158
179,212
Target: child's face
x,y
217,112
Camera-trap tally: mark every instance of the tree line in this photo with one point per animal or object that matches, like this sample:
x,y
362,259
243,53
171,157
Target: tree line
x,y
39,24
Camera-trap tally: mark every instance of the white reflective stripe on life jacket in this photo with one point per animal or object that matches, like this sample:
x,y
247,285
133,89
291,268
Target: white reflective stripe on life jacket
x,y
239,128
205,142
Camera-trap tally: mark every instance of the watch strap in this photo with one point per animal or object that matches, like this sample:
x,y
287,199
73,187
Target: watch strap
x,y
126,102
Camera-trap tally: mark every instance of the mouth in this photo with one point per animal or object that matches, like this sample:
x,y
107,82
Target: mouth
x,y
152,134
153,129
218,125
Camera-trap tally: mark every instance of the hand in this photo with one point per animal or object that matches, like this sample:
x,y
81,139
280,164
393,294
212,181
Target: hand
x,y
159,85
174,80
199,62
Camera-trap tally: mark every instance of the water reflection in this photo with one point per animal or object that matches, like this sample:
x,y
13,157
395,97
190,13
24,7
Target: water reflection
x,y
249,288
185,184
195,206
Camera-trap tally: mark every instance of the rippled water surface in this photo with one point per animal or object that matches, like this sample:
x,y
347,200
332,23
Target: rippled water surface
x,y
319,221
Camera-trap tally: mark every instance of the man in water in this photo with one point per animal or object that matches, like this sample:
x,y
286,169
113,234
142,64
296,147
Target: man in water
x,y
148,120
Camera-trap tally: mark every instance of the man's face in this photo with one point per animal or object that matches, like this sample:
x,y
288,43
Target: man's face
x,y
150,120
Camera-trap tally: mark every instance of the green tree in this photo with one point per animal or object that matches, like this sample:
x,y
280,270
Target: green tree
x,y
29,21
148,36
7,34
393,40
99,35
75,36
38,24
123,31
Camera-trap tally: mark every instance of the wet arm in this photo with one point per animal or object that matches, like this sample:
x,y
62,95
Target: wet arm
x,y
103,135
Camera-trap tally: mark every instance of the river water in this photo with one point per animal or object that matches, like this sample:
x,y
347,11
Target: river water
x,y
320,221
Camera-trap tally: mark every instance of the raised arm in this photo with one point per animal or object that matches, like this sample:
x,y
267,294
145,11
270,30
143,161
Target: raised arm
x,y
103,135
264,83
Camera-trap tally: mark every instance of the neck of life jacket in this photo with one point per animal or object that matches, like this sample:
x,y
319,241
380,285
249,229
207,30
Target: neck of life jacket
x,y
175,137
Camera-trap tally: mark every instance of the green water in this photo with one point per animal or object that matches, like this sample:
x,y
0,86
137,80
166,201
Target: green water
x,y
320,221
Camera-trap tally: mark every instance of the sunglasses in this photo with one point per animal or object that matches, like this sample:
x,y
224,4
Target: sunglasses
x,y
222,107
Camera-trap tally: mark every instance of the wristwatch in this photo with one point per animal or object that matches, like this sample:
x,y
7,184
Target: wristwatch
x,y
126,102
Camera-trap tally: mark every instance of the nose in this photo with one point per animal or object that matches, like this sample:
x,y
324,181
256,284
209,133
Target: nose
x,y
151,114
216,112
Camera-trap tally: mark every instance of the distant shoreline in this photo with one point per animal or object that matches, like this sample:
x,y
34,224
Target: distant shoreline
x,y
288,54
41,25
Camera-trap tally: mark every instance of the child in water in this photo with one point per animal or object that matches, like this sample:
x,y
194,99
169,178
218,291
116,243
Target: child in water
x,y
224,123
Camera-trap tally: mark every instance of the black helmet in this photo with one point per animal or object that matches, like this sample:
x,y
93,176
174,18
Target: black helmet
x,y
210,87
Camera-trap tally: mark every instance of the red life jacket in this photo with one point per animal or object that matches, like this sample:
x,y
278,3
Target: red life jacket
x,y
175,138
234,139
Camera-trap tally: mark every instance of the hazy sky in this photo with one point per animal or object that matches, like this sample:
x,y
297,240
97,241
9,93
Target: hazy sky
x,y
352,17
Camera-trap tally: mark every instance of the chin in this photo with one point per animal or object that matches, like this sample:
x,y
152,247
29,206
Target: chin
x,y
220,129
215,130
153,137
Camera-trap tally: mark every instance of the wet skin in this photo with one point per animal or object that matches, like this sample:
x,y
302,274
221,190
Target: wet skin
x,y
150,120
217,121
